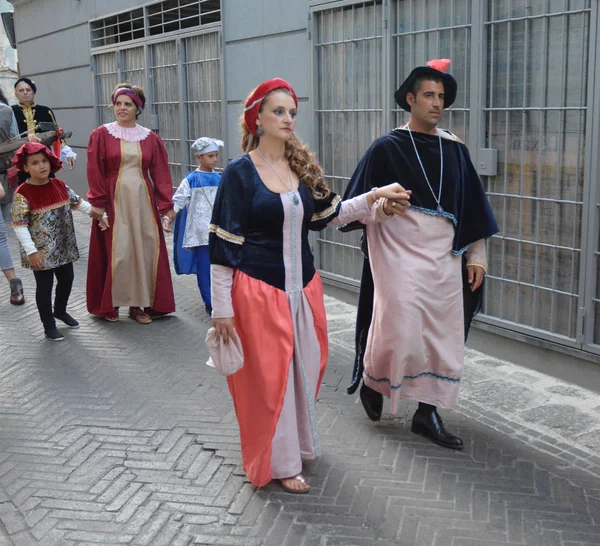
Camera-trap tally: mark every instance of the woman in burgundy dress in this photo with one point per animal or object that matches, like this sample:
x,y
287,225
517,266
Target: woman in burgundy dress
x,y
129,180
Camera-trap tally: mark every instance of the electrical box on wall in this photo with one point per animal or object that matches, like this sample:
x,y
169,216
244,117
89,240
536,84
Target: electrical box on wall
x,y
487,162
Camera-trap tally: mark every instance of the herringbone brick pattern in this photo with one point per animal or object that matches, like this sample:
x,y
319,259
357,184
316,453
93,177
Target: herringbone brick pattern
x,y
121,435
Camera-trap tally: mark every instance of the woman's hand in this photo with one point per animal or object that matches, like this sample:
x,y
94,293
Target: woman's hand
x,y
71,161
224,328
36,261
167,218
2,192
103,223
33,138
395,192
97,213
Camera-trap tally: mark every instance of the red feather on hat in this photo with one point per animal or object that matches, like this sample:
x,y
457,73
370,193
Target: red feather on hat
x,y
439,64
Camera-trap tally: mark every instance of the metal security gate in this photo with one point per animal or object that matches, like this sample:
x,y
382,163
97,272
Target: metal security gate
x,y
536,112
179,68
529,80
349,71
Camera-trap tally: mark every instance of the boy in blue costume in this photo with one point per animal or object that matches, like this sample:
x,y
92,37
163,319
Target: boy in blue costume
x,y
194,200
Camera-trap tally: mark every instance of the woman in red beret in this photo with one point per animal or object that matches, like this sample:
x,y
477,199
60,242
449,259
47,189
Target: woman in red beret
x,y
266,289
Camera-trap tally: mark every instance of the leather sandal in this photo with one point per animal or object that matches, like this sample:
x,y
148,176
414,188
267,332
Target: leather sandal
x,y
298,478
112,317
16,292
137,314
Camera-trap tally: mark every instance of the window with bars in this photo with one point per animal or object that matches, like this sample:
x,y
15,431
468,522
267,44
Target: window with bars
x,y
153,20
349,45
434,29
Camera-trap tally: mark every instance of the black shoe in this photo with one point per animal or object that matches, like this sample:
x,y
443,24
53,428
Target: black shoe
x,y
372,401
208,309
67,319
53,334
16,292
431,426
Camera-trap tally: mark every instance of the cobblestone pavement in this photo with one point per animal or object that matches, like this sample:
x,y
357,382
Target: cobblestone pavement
x,y
121,435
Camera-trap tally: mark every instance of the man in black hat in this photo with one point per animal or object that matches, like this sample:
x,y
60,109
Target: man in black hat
x,y
28,114
421,283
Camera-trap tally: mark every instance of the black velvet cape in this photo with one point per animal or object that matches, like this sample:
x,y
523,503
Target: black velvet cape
x,y
392,158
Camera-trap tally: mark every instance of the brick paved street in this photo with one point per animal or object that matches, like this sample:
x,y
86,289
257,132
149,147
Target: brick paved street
x,y
121,435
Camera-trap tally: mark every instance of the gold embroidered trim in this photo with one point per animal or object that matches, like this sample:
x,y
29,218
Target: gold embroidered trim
x,y
29,113
225,235
50,207
478,263
328,211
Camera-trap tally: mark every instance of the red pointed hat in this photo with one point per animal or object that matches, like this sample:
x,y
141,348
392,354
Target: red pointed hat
x,y
30,148
254,101
436,68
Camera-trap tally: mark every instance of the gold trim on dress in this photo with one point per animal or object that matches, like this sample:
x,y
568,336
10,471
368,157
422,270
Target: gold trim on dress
x,y
328,211
115,223
225,235
152,207
50,207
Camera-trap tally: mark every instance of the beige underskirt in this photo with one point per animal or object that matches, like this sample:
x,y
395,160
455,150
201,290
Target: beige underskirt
x,y
135,234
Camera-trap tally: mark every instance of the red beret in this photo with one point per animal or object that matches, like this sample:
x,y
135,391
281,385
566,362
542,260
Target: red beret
x,y
30,148
258,95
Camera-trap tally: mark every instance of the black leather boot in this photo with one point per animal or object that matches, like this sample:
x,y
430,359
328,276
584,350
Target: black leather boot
x,y
431,426
372,401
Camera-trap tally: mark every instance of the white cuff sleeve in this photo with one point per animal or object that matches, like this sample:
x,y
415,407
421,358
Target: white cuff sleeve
x,y
221,281
66,152
84,207
181,197
24,236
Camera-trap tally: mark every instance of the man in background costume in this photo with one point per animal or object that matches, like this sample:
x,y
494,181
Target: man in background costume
x,y
421,284
28,114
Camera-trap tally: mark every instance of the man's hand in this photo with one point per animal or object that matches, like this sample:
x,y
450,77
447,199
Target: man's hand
x,y
475,275
36,261
394,207
224,328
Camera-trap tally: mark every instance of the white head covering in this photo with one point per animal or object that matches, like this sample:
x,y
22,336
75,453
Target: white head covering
x,y
205,145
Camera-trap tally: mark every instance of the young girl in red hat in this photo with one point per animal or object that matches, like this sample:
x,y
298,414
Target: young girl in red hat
x,y
43,222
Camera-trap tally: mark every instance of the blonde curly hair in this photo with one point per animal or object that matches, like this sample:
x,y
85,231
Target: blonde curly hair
x,y
301,160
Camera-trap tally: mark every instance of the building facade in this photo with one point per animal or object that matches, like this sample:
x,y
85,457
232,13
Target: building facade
x,y
528,107
8,58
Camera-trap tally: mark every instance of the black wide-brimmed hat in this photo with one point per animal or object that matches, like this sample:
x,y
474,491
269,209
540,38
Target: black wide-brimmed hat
x,y
436,68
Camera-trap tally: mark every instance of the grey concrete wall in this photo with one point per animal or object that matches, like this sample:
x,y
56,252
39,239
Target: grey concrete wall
x,y
262,39
53,44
